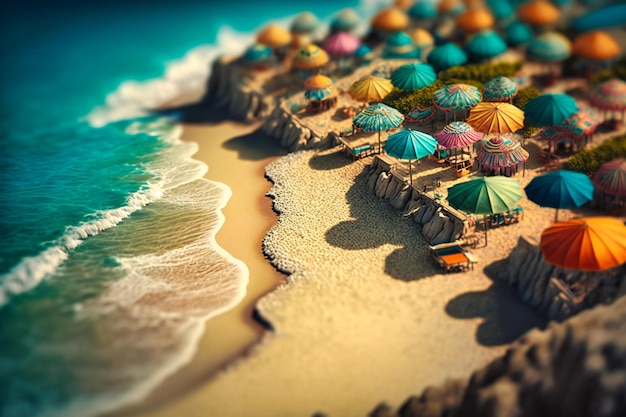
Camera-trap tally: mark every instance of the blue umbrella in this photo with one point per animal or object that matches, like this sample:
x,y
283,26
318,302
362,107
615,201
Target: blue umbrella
x,y
518,33
378,117
560,189
485,45
423,9
614,15
410,144
446,56
410,77
549,109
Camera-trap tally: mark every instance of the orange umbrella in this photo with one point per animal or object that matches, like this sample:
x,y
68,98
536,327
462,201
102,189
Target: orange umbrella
x,y
370,88
585,244
496,117
422,38
538,13
310,57
273,36
475,20
448,6
403,4
596,45
391,20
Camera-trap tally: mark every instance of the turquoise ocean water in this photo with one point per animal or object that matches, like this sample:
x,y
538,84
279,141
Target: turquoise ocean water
x,y
108,266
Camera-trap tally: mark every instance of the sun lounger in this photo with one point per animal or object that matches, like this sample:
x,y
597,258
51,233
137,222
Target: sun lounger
x,y
450,256
362,151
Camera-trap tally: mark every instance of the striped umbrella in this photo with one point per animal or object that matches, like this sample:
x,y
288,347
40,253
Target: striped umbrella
x,y
485,45
560,189
446,56
370,88
496,117
419,115
499,89
518,33
611,177
550,109
310,57
499,152
457,97
377,118
342,43
610,95
410,144
550,47
458,135
410,77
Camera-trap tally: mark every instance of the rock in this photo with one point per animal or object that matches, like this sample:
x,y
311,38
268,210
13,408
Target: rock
x,y
401,199
444,236
381,184
428,215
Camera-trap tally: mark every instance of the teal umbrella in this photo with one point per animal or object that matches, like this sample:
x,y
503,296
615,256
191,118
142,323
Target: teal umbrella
x,y
604,17
423,9
414,76
411,145
446,56
499,89
257,53
518,33
549,109
484,45
400,45
560,189
550,47
377,118
453,97
501,9
304,23
485,195
346,20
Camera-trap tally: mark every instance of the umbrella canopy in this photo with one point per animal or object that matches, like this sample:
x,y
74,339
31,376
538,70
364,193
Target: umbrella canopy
x,y
423,9
399,45
370,88
391,19
611,177
342,43
560,189
538,13
304,23
499,89
410,144
346,20
420,115
319,87
413,76
609,95
580,123
363,51
485,195
585,244
603,17
457,97
550,46
501,9
257,53
596,45
518,33
485,45
475,20
273,36
453,7
458,135
378,117
499,152
446,56
317,81
310,57
422,38
495,117
550,109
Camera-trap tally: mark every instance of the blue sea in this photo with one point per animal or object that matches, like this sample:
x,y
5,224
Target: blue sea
x,y
108,263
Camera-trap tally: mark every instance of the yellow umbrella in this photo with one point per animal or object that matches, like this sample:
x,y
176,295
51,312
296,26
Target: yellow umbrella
x,y
495,117
370,88
475,20
422,38
538,13
273,36
310,57
391,20
596,45
317,81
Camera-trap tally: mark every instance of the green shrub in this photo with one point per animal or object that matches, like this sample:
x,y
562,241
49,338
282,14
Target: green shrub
x,y
405,101
617,70
524,95
529,131
589,160
480,73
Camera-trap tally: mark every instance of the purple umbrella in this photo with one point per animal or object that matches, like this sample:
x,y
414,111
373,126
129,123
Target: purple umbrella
x,y
458,135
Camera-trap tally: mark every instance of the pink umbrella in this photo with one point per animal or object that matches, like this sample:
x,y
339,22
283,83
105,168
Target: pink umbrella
x,y
458,135
342,43
611,177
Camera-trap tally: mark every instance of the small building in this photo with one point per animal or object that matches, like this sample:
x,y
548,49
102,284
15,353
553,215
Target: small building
x,y
320,92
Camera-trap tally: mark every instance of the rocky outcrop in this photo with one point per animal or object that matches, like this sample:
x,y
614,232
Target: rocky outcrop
x,y
439,223
574,369
229,87
557,292
284,126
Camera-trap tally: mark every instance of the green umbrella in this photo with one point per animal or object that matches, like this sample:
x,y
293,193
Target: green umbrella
x,y
485,195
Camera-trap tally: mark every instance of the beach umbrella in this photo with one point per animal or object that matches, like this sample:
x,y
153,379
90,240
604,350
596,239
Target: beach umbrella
x,y
411,145
550,109
549,47
485,45
518,33
310,57
457,135
391,19
257,53
342,43
585,243
456,97
452,7
560,189
399,45
410,77
538,13
475,20
304,23
377,118
486,196
423,9
499,89
611,177
446,56
604,17
364,52
420,115
370,88
580,123
501,9
346,20
499,153
609,95
496,117
596,45
422,38
403,4
273,36
319,87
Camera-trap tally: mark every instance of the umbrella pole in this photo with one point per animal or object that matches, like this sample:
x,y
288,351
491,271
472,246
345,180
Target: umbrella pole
x,y
410,172
485,222
556,216
379,147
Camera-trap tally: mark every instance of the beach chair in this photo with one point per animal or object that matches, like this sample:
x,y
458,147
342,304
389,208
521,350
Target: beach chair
x,y
362,151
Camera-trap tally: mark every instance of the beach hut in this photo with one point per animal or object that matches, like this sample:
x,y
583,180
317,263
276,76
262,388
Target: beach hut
x,y
501,156
310,58
475,20
496,117
581,124
370,88
389,21
320,93
377,118
610,181
410,77
400,45
304,24
423,41
609,96
499,89
539,13
345,21
446,56
485,45
410,145
518,33
560,189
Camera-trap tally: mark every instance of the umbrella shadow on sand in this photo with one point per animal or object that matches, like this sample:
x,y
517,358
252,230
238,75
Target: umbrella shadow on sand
x,y
255,146
195,113
369,229
329,161
505,316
